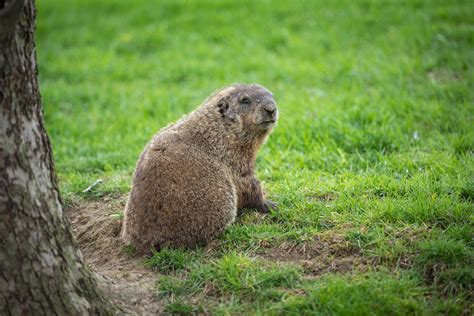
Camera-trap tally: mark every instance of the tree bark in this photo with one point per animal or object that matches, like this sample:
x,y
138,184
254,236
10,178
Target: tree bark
x,y
41,269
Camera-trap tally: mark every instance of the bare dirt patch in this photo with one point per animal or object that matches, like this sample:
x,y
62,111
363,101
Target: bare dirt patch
x,y
444,76
328,252
332,252
97,230
324,198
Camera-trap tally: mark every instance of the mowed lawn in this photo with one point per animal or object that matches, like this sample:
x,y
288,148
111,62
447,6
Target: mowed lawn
x,y
371,163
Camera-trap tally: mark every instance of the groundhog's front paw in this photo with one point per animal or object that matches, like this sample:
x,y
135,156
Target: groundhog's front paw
x,y
268,205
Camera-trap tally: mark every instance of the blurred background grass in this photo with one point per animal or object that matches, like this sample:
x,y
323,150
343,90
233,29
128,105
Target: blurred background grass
x,y
376,102
351,78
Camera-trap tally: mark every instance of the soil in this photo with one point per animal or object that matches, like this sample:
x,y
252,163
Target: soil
x,y
96,227
328,253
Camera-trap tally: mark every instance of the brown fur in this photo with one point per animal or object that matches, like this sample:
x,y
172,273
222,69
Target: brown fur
x,y
195,174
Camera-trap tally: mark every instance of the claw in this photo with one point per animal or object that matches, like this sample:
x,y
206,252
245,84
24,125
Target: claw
x,y
267,206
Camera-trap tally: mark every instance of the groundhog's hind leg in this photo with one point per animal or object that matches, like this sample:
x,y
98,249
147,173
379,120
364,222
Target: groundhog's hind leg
x,y
198,202
210,208
179,198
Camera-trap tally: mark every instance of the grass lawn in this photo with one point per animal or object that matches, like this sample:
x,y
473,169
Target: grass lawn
x,y
371,163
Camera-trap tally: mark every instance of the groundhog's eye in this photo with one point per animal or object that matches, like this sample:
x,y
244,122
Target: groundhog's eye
x,y
246,101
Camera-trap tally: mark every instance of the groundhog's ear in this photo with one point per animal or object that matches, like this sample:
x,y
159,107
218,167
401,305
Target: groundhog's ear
x,y
223,108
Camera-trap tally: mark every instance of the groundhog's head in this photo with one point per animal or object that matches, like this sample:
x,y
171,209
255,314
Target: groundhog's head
x,y
249,106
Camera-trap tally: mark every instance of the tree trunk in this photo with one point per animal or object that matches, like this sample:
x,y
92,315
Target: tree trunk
x,y
41,270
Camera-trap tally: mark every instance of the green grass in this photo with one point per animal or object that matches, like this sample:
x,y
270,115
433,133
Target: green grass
x,y
168,259
365,294
234,274
375,141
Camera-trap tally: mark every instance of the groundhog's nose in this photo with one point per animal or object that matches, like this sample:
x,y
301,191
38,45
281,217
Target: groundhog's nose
x,y
270,108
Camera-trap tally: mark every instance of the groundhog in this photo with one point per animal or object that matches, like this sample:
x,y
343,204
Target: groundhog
x,y
195,174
